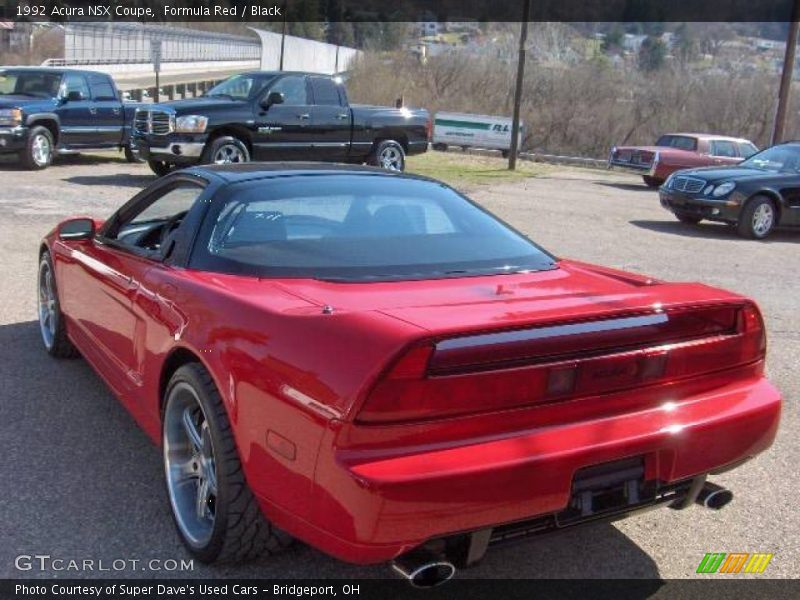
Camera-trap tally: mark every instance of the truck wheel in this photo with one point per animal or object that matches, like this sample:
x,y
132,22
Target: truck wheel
x,y
132,153
38,153
758,218
389,155
440,147
215,513
159,167
652,182
225,150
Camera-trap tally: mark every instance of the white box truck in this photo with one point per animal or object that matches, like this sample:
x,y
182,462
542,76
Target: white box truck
x,y
473,131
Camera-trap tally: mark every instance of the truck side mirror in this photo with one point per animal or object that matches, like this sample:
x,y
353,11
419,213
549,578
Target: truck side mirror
x,y
272,98
74,96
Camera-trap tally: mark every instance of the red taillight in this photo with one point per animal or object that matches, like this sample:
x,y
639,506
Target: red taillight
x,y
509,369
429,128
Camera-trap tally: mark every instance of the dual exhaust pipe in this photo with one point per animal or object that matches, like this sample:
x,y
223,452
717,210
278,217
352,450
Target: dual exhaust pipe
x,y
426,569
423,568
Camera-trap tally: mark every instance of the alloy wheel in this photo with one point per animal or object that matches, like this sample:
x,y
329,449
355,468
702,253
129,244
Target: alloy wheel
x,y
391,158
229,153
763,218
41,150
47,305
190,465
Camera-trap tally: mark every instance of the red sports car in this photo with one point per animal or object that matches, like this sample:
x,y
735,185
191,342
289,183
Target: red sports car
x,y
675,151
372,363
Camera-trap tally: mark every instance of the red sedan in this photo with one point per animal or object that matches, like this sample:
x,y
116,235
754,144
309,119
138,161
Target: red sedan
x,y
675,151
373,364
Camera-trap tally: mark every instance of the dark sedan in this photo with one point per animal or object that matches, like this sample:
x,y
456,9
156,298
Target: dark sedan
x,y
756,196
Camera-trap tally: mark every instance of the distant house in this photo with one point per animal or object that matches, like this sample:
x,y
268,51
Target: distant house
x,y
632,43
431,28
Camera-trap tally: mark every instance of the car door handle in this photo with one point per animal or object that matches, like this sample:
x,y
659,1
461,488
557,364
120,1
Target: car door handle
x,y
115,111
343,116
304,116
93,110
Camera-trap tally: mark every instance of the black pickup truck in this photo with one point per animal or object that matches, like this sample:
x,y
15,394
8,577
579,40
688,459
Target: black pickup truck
x,y
46,111
277,116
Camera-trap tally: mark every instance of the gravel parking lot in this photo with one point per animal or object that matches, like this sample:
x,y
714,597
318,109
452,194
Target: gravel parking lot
x,y
80,480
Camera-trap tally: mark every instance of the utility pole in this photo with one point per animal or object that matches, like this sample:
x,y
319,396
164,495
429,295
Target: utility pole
x,y
786,77
523,37
283,36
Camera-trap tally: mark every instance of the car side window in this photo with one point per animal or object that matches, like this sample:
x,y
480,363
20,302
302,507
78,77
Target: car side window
x,y
325,92
723,148
102,88
746,149
155,221
293,89
75,83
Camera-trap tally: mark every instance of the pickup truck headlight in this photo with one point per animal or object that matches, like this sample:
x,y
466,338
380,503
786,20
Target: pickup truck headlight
x,y
191,124
723,189
10,117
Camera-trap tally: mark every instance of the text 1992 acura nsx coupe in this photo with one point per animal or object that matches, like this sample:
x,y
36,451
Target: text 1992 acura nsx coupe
x,y
372,363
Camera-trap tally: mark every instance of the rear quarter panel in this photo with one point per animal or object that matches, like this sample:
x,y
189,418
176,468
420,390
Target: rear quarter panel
x,y
284,369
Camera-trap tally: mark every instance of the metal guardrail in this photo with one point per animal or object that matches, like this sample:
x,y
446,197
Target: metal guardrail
x,y
75,62
577,161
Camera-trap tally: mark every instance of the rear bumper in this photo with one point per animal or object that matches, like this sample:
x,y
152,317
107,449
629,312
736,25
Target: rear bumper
x,y
372,508
649,170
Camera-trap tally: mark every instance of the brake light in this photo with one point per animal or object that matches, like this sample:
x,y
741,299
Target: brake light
x,y
429,128
502,370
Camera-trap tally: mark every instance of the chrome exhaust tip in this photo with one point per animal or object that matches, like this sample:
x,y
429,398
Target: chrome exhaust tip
x,y
423,569
714,496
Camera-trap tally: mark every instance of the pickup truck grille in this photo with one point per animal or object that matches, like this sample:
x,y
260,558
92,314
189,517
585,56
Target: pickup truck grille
x,y
156,122
690,185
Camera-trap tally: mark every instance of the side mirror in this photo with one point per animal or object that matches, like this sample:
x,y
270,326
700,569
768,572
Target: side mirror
x,y
74,96
77,229
272,98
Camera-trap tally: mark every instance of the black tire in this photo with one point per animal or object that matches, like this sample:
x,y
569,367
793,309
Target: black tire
x,y
224,150
54,338
687,218
440,147
747,226
132,154
652,182
39,149
389,155
240,531
159,167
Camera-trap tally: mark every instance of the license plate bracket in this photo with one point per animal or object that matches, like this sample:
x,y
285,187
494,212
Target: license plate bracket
x,y
607,488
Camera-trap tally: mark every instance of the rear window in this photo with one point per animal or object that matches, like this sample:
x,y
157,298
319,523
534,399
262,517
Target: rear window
x,y
724,148
682,142
325,92
746,149
357,228
101,87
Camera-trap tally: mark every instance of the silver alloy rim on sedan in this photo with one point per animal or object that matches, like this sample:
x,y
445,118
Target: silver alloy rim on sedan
x,y
762,219
40,148
229,153
391,158
47,305
190,466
